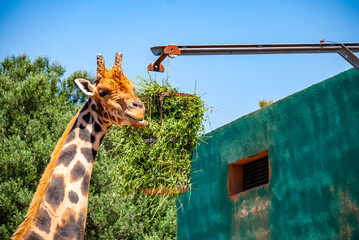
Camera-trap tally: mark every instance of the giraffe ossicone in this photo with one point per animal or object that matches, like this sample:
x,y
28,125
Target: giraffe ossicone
x,y
59,207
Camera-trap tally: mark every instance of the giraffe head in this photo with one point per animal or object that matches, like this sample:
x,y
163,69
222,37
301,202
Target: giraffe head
x,y
115,95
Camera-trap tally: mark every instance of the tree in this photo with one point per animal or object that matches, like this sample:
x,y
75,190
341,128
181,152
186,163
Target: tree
x,y
70,89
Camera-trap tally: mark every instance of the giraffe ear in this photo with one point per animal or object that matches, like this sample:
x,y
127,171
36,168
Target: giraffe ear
x,y
85,86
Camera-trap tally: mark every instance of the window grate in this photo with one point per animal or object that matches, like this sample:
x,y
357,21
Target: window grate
x,y
255,173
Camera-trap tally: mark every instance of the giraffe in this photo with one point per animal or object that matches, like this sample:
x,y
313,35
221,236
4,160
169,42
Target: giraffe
x,y
59,207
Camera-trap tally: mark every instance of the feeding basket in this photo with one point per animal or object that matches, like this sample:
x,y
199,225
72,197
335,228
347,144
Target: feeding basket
x,y
158,158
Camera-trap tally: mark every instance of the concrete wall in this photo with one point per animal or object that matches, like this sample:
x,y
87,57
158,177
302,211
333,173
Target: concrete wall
x,y
313,141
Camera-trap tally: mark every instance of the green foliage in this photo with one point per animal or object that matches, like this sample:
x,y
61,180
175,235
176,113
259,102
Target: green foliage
x,y
159,156
264,102
70,89
112,215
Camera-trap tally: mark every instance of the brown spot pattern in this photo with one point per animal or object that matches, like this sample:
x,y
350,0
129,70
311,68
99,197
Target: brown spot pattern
x,y
89,154
85,135
56,191
77,172
73,197
44,221
67,155
85,184
71,228
33,236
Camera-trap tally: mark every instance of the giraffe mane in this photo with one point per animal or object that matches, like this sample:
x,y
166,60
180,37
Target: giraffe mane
x,y
41,189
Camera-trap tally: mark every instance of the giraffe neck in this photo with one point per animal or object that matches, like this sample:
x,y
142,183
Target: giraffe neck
x,y
61,206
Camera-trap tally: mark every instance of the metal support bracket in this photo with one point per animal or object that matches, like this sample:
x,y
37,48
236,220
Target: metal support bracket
x,y
167,51
346,50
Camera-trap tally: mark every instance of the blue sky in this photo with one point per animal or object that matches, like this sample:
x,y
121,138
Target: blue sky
x,y
74,32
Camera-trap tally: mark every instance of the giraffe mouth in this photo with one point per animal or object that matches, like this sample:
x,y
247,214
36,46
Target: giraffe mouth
x,y
137,123
134,119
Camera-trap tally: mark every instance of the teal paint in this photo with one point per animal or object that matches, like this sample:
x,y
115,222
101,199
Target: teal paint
x,y
313,141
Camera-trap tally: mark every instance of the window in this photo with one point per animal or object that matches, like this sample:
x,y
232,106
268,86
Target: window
x,y
248,173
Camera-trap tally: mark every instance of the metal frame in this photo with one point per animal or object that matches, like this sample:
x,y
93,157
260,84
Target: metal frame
x,y
343,49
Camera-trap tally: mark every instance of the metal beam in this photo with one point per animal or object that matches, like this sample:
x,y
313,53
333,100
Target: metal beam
x,y
344,49
349,56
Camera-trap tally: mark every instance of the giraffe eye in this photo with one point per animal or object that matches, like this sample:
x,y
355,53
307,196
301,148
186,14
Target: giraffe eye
x,y
102,93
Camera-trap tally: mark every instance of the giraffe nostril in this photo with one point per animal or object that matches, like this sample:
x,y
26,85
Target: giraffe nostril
x,y
137,104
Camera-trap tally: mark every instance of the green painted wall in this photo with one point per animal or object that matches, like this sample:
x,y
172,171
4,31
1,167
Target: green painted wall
x,y
313,142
